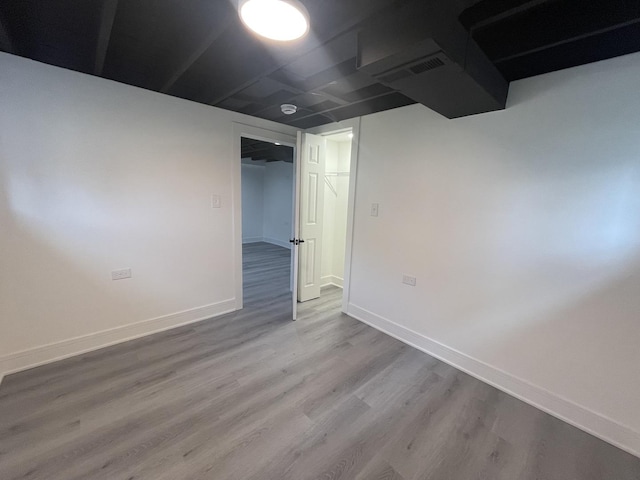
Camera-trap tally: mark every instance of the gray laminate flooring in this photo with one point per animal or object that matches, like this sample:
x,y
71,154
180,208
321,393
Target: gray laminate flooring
x,y
254,396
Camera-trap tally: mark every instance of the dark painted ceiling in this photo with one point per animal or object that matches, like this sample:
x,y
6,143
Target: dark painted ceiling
x,y
529,37
258,150
198,49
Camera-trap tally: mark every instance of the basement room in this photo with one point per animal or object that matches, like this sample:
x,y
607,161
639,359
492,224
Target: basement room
x,y
337,239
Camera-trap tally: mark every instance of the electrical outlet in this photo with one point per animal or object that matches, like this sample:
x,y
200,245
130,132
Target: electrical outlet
x,y
374,209
121,274
409,280
216,201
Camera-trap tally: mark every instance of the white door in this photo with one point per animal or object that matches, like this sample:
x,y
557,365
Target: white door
x,y
311,163
296,226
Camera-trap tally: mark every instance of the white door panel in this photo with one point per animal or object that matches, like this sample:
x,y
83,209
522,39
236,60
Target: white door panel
x,y
311,195
296,225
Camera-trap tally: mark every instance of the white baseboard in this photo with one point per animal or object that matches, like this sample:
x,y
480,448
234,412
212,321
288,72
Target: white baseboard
x,y
251,240
280,243
23,360
331,280
581,417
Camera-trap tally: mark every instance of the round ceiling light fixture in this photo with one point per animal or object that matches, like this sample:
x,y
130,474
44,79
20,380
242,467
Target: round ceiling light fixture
x,y
280,20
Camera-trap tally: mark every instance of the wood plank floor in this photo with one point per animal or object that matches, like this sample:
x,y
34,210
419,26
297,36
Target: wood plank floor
x,y
254,396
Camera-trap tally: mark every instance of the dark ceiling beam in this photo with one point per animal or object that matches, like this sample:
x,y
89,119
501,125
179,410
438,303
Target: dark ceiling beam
x,y
516,10
258,153
6,45
193,58
328,112
564,41
266,151
264,148
269,158
298,91
273,151
488,12
107,17
256,146
255,78
298,88
554,23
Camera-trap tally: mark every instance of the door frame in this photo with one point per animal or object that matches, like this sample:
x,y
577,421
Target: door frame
x,y
242,130
352,124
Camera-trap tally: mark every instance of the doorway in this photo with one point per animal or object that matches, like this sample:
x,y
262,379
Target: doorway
x,y
267,184
341,138
326,203
336,199
265,235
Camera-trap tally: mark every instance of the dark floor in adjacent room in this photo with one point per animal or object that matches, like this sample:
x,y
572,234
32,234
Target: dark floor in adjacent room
x,y
253,395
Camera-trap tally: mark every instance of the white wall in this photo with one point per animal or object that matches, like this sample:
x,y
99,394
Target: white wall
x,y
328,215
94,176
336,197
278,203
252,202
267,203
523,230
340,231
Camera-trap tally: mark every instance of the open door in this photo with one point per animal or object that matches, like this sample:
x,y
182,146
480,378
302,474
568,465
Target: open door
x,y
310,163
296,225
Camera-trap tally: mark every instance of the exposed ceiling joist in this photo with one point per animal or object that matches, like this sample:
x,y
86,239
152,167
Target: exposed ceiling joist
x,y
552,23
499,16
331,111
193,58
107,17
254,79
296,91
587,34
270,159
529,37
257,150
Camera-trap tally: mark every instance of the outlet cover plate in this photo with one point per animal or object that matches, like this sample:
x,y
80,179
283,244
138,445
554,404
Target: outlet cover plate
x,y
374,209
409,280
121,274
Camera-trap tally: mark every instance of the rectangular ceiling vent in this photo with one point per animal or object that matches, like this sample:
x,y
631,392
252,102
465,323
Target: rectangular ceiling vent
x,y
414,68
423,52
427,65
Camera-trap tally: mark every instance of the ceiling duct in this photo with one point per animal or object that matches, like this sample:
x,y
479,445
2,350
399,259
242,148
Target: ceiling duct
x,y
423,52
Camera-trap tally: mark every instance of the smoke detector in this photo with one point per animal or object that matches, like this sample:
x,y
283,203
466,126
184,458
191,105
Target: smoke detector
x,y
288,108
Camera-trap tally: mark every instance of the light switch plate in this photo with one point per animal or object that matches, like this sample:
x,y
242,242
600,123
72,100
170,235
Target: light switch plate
x,y
216,201
374,209
121,274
